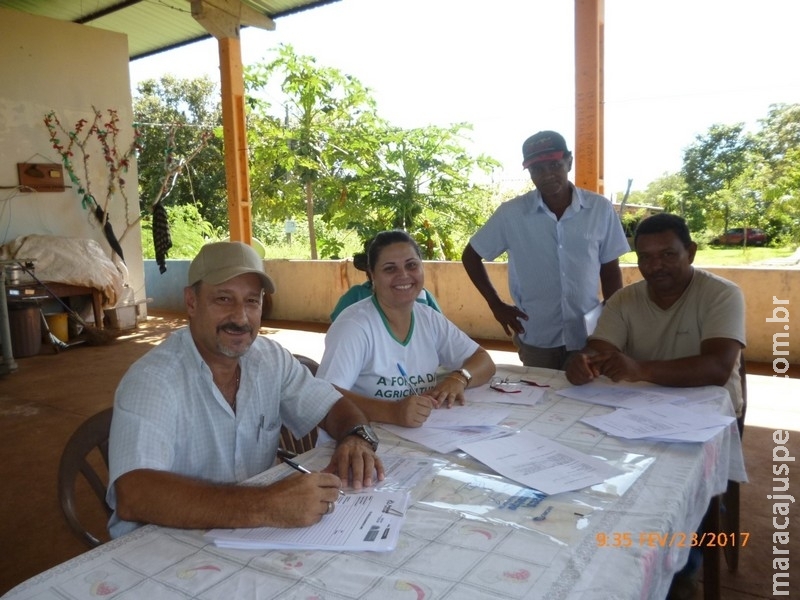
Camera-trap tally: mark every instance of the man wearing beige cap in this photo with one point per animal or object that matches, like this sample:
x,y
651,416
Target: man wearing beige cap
x,y
202,412
563,246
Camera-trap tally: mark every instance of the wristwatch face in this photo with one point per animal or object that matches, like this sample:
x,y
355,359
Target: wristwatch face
x,y
467,375
365,432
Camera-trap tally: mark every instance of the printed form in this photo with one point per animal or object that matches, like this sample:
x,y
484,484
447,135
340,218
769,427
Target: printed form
x,y
368,521
540,463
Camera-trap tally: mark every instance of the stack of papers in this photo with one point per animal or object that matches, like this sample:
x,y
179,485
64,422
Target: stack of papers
x,y
540,463
368,521
447,428
608,394
666,422
644,412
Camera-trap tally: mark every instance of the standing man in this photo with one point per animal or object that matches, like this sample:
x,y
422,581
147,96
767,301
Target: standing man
x,y
202,412
563,245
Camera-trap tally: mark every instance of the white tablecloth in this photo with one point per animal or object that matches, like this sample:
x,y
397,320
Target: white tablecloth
x,y
468,534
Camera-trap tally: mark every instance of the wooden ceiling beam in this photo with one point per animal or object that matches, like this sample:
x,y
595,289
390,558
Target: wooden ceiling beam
x,y
224,19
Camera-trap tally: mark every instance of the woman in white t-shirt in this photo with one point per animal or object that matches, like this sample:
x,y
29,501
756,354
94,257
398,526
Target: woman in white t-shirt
x,y
388,352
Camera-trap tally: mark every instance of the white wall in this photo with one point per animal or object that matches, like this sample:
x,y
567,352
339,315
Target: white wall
x,y
49,65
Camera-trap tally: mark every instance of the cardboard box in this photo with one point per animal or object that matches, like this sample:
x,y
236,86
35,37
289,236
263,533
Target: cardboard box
x,y
121,317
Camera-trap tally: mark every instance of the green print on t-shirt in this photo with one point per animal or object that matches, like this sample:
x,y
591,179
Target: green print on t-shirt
x,y
421,384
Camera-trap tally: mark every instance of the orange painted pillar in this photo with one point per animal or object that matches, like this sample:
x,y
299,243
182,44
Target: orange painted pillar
x,y
237,172
589,46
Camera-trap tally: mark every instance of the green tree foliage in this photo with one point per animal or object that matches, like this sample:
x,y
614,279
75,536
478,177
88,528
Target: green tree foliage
x,y
331,154
324,139
188,229
711,165
667,191
320,152
420,180
778,180
735,179
173,116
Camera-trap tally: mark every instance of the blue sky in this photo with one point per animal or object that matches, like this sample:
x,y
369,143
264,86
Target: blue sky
x,y
673,68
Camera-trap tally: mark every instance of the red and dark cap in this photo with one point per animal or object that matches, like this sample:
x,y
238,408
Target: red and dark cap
x,y
545,145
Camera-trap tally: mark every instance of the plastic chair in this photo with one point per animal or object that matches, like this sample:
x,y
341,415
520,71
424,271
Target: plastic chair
x,y
308,441
92,434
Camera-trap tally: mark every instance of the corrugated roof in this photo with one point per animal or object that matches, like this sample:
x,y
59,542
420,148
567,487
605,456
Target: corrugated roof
x,y
152,26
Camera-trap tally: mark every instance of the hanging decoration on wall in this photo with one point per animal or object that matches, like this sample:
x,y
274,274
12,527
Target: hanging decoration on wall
x,y
76,143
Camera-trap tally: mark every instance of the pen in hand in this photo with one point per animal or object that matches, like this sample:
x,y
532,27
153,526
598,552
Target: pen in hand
x,y
287,457
411,388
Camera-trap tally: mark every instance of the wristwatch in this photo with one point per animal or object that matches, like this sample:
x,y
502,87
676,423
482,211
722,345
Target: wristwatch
x,y
465,374
366,433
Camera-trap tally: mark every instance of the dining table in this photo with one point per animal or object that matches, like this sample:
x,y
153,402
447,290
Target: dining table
x,y
468,533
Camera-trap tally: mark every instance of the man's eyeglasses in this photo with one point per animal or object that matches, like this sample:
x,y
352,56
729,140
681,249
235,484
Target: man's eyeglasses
x,y
507,385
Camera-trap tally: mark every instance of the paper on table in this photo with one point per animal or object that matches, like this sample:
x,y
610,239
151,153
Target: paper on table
x,y
609,394
460,416
590,318
540,463
654,421
698,435
368,521
447,439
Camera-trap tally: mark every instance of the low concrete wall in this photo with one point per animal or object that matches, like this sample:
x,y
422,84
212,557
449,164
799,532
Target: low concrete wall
x,y
165,290
307,290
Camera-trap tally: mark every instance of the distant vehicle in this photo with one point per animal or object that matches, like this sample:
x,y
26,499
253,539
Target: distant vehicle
x,y
735,237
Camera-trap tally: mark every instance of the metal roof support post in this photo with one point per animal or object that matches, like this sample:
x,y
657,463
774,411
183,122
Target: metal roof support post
x,y
223,19
589,134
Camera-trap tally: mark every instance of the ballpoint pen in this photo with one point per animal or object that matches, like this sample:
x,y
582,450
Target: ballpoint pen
x,y
411,388
287,457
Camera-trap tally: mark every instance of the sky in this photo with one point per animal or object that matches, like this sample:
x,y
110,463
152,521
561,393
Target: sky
x,y
673,68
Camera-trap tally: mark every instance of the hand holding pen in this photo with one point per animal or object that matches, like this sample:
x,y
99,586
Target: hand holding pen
x,y
288,458
404,375
413,410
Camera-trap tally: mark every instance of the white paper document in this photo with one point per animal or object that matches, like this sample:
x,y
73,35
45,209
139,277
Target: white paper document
x,y
609,394
447,439
460,416
368,521
540,463
698,435
654,421
590,318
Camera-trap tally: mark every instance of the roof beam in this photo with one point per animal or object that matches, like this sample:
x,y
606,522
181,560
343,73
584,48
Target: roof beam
x,y
110,10
224,18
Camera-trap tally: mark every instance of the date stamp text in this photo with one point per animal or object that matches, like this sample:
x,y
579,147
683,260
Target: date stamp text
x,y
679,539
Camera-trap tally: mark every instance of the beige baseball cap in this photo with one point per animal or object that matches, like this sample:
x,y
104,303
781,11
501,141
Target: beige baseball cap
x,y
220,261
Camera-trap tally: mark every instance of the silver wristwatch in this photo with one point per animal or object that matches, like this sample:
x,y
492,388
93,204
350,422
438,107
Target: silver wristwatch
x,y
366,433
465,374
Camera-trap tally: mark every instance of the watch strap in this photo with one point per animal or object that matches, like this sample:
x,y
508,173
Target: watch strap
x,y
365,433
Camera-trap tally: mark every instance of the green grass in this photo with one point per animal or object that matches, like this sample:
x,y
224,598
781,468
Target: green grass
x,y
728,257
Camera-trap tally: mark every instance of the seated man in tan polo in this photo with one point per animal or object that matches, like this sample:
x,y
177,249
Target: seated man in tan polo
x,y
679,327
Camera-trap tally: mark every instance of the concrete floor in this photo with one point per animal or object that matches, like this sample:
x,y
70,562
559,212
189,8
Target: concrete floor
x,y
50,394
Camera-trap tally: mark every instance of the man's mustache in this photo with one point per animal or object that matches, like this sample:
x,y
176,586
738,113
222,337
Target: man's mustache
x,y
234,328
